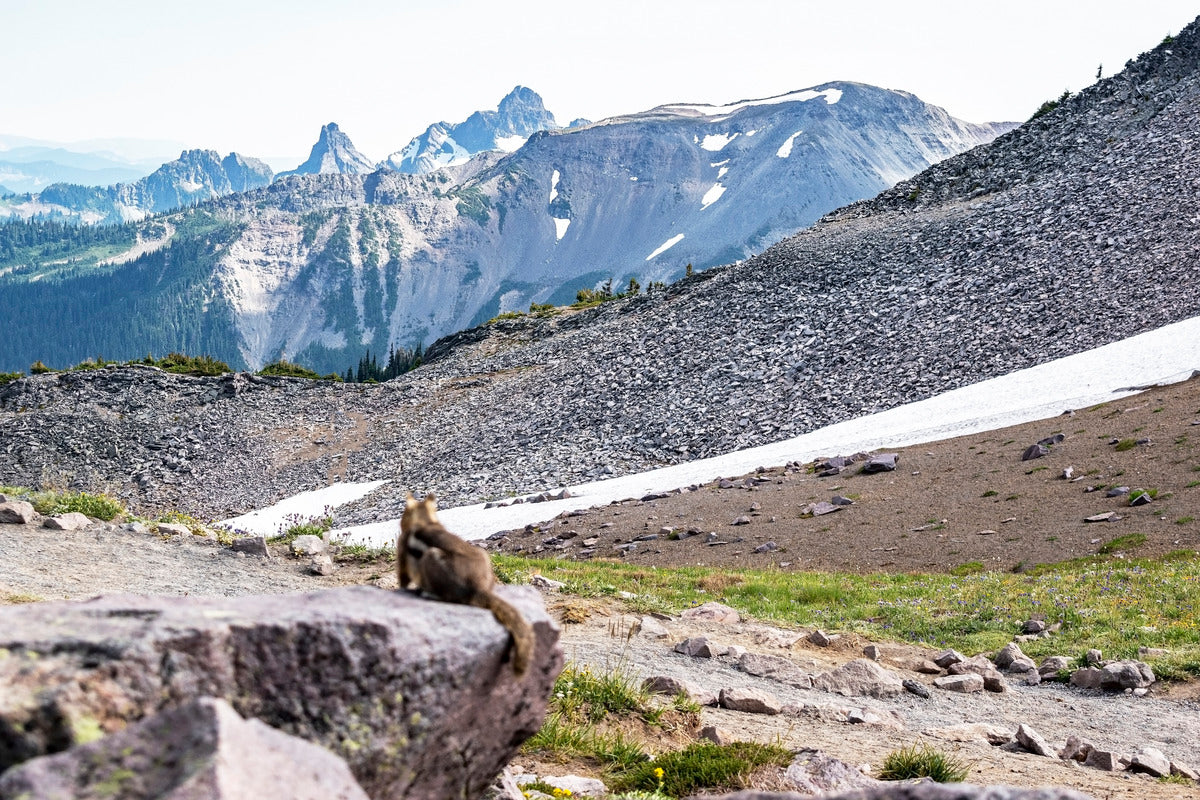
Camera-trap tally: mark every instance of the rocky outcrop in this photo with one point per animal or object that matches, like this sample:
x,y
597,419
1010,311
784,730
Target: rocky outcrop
x,y
201,750
922,791
333,154
417,696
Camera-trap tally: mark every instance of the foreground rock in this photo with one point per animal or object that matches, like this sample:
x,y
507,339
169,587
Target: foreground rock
x,y
417,696
200,751
922,791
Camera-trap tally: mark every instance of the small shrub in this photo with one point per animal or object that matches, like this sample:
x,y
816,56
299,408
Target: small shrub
x,y
9,377
969,568
1125,444
309,527
923,761
990,493
96,506
287,369
38,368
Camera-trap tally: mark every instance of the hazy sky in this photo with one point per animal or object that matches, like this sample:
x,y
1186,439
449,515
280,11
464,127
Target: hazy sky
x,y
261,77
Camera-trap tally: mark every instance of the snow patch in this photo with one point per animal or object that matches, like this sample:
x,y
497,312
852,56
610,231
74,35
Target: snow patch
x,y
560,228
715,142
274,520
712,195
721,172
190,186
633,177
510,144
832,96
719,163
1166,355
751,133
554,185
667,245
785,149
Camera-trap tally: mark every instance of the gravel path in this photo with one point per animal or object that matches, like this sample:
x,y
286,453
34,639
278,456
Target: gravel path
x,y
1122,723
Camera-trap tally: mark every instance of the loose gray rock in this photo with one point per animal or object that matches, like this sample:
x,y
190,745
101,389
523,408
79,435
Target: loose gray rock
x,y
200,750
1151,761
308,545
750,701
71,521
1123,675
322,564
1103,759
1051,666
1185,771
860,678
17,512
577,785
173,529
352,669
1076,749
963,684
915,687
250,545
701,647
1034,742
665,684
716,735
948,658
814,772
884,462
776,668
712,612
1035,451
821,639
1086,678
651,628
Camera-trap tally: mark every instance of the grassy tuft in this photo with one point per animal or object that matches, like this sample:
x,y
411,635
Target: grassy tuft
x,y
96,506
1126,542
923,761
702,766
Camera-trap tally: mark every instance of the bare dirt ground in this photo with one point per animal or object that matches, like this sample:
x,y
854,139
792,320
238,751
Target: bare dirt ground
x,y
947,504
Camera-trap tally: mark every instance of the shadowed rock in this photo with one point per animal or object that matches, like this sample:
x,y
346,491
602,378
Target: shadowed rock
x,y
922,791
417,696
199,751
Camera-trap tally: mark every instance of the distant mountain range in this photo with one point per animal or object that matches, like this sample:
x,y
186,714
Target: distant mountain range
x,y
519,115
316,267
30,165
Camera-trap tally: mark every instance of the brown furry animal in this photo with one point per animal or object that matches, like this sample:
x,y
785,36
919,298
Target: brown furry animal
x,y
447,568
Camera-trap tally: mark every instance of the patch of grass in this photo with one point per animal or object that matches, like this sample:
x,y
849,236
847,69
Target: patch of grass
x,y
19,599
1136,493
365,554
1185,520
702,766
314,526
1121,543
287,369
923,761
1112,604
97,506
969,568
990,493
9,377
1125,444
1176,779
583,695
1013,497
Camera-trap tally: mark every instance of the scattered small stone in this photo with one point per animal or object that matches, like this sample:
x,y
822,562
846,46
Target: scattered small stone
x,y
1068,473
1123,675
1107,516
713,612
1117,491
884,462
948,658
1185,771
750,701
741,520
1086,678
1033,742
871,651
1035,451
1076,749
766,548
1033,626
71,521
308,545
838,500
1151,761
667,685
1153,652
651,628
860,678
175,529
321,564
576,785
1093,657
16,512
915,687
248,545
546,584
1140,499
1053,665
700,647
965,684
716,735
1104,760
821,639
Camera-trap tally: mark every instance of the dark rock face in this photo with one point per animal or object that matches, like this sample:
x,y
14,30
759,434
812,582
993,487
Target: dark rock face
x,y
417,696
201,750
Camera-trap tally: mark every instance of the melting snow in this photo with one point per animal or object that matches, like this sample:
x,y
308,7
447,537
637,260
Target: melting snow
x,y
1166,355
715,142
560,228
190,186
751,133
721,172
273,520
554,187
712,195
785,149
667,245
510,144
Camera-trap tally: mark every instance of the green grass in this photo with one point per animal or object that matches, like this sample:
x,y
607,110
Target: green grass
x,y
923,761
702,766
1104,602
990,493
315,526
1122,543
583,695
1125,444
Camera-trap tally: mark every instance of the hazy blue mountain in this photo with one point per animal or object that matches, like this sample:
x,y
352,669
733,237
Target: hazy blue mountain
x,y
29,165
321,266
332,154
196,176
519,115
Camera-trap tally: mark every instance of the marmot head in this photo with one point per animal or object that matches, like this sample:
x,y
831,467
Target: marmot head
x,y
419,513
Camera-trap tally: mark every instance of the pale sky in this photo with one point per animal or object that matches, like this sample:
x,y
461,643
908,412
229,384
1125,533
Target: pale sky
x,y
261,77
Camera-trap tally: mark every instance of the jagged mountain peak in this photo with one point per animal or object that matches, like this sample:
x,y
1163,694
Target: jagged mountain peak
x,y
519,114
333,153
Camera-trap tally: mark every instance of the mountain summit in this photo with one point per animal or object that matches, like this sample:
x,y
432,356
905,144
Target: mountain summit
x,y
519,115
333,154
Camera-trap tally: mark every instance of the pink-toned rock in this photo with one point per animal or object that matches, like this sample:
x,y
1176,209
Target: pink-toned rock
x,y
713,612
71,521
201,751
17,512
750,701
418,696
860,678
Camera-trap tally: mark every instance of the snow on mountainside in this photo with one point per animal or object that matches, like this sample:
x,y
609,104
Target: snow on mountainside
x,y
519,115
333,154
319,267
194,177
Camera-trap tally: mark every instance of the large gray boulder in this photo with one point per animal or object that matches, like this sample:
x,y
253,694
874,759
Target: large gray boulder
x,y
860,678
199,751
418,696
